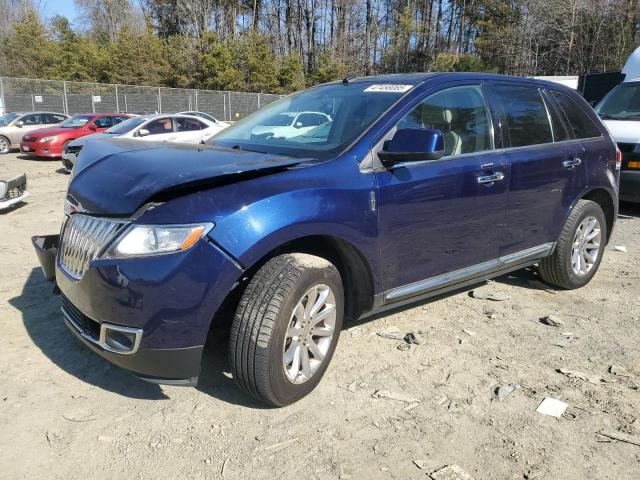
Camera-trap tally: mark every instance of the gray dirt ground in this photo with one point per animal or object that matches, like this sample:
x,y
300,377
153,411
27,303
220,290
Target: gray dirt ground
x,y
65,413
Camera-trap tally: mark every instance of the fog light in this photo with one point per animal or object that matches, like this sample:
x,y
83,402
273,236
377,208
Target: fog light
x,y
118,339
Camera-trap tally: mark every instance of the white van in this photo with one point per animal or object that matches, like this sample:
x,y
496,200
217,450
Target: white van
x,y
620,111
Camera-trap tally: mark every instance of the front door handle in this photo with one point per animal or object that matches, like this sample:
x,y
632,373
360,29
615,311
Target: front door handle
x,y
496,177
572,163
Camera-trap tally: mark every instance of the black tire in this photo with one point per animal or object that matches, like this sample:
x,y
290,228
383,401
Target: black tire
x,y
556,269
261,321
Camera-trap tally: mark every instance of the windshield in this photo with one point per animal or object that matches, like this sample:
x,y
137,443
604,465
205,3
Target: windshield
x,y
126,126
7,118
327,119
77,121
280,120
621,103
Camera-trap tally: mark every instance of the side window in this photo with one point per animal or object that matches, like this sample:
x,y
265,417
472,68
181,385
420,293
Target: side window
x,y
56,118
104,122
460,113
35,119
307,120
189,125
582,125
526,119
558,123
159,126
117,120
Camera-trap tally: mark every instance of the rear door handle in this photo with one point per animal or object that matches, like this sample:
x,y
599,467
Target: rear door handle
x,y
496,177
574,162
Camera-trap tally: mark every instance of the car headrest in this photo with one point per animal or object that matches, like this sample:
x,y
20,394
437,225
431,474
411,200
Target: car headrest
x,y
436,117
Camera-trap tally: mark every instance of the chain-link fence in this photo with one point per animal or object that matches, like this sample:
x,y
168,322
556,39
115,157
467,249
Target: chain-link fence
x,y
23,94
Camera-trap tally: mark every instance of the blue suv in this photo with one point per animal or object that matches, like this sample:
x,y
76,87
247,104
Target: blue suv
x,y
334,203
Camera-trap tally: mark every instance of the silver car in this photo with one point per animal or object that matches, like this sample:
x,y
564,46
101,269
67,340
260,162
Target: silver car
x,y
14,125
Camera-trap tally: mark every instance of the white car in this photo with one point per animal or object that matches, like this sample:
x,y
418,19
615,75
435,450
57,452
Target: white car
x,y
620,111
174,128
206,116
290,124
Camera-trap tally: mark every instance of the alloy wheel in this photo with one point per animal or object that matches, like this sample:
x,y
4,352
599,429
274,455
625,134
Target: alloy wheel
x,y
309,334
586,246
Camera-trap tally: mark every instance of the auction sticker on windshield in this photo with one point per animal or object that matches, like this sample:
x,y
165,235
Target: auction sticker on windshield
x,y
388,87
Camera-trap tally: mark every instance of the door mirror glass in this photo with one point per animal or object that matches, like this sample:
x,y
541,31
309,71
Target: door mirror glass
x,y
413,145
298,125
19,124
143,132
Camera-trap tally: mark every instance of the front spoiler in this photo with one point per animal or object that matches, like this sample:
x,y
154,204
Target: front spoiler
x,y
173,366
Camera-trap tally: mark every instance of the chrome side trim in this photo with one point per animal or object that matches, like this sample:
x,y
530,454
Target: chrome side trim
x,y
456,276
433,282
532,253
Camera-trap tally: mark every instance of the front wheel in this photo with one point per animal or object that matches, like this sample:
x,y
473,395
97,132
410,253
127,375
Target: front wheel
x,y
5,145
579,249
286,328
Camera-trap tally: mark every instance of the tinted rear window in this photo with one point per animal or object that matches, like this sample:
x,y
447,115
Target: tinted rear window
x,y
582,125
526,120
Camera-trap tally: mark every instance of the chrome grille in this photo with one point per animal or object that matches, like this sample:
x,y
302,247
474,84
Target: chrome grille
x,y
83,238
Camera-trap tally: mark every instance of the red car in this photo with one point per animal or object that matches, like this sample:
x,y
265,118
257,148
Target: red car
x,y
50,142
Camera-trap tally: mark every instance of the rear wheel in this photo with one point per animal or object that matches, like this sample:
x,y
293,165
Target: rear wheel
x,y
579,249
286,328
5,145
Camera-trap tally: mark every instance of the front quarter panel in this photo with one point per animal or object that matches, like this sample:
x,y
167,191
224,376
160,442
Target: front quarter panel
x,y
253,217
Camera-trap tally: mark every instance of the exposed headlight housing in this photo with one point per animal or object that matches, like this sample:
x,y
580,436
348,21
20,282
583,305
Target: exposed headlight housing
x,y
47,139
143,240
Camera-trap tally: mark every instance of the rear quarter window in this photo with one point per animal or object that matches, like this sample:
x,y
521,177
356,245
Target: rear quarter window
x,y
583,126
561,130
526,118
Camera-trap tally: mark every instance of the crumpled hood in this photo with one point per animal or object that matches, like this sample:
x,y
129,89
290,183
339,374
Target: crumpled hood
x,y
118,176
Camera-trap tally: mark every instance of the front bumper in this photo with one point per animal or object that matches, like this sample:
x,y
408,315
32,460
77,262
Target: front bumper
x,y
16,192
68,160
630,186
41,149
169,299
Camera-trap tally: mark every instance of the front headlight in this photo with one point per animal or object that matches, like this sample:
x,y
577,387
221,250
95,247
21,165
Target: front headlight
x,y
47,139
139,240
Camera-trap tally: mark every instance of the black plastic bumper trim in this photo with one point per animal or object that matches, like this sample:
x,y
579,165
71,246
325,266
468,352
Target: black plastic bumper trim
x,y
171,366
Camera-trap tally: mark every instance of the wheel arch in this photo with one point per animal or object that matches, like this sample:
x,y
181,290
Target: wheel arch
x,y
354,269
603,197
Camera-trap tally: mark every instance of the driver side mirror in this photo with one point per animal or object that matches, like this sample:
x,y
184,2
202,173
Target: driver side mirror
x,y
143,132
412,145
298,125
20,124
92,127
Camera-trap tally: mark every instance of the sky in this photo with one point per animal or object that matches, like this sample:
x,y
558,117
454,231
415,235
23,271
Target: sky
x,y
66,8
